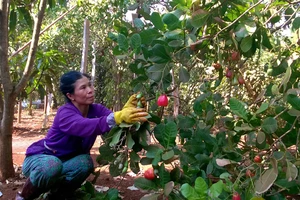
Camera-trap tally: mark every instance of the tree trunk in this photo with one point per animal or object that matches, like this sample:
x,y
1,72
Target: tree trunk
x,y
19,110
11,90
86,37
6,166
29,106
176,98
6,129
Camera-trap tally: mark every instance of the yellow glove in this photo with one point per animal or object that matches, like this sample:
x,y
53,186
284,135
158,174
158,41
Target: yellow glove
x,y
130,115
133,101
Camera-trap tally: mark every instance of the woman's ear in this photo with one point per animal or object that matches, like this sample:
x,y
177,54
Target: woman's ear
x,y
70,96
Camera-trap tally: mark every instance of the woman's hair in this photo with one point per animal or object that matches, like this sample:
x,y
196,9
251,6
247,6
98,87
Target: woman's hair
x,y
67,82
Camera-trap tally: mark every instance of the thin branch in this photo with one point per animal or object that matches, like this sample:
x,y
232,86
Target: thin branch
x,y
286,22
293,125
268,20
45,29
253,6
33,47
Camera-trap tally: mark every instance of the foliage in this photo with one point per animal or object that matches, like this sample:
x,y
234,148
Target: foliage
x,y
225,123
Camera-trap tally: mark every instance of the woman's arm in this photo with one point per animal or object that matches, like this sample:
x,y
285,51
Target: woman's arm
x,y
72,122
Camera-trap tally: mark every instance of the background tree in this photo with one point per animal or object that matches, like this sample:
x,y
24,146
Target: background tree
x,y
236,66
14,12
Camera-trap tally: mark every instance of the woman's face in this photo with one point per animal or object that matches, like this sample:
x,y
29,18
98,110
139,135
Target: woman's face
x,y
83,92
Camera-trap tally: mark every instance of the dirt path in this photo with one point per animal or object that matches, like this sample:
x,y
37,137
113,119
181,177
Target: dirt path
x,y
30,130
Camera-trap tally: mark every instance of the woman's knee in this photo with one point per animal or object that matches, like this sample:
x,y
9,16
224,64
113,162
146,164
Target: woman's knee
x,y
86,163
48,172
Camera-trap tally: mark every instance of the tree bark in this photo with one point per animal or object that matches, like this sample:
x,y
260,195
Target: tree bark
x,y
19,110
6,166
10,91
85,49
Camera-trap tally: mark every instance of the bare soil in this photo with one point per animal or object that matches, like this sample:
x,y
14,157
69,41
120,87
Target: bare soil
x,y
29,130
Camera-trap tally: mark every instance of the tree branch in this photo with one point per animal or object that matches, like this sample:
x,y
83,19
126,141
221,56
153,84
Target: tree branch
x,y
33,47
286,22
239,17
45,29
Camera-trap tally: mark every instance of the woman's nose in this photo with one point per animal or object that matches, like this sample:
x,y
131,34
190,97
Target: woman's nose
x,y
90,89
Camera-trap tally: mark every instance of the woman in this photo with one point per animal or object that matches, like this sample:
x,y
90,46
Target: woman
x,y
61,162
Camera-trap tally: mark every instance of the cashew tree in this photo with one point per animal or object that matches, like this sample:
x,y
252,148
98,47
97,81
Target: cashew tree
x,y
13,14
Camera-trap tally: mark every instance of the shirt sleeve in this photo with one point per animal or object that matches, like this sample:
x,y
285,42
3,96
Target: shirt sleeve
x,y
111,120
72,122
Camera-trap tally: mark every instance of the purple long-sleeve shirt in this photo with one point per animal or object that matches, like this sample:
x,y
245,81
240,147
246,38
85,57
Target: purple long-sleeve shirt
x,y
72,134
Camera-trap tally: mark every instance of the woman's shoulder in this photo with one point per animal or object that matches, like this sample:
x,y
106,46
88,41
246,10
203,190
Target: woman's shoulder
x,y
67,107
99,108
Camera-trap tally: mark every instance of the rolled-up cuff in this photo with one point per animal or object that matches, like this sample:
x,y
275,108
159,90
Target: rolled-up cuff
x,y
111,120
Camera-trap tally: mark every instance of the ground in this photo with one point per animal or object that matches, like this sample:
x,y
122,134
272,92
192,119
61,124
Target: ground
x,y
29,130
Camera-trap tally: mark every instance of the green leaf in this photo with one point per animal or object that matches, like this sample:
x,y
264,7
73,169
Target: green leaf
x,y
185,122
291,171
174,34
262,108
294,100
113,36
133,6
296,24
155,72
170,20
89,188
188,192
201,187
245,29
112,194
216,189
257,198
148,35
135,41
195,147
275,69
167,155
176,43
199,19
184,75
241,31
157,21
106,153
286,77
269,125
153,151
294,112
168,188
238,108
12,20
265,181
26,15
243,127
122,42
116,138
261,140
138,23
166,134
278,155
130,142
275,89
144,184
160,51
246,44
164,175
265,40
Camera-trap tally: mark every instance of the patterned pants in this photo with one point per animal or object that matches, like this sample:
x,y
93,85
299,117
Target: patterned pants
x,y
47,171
